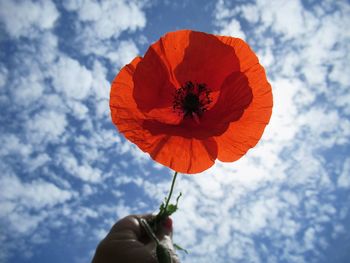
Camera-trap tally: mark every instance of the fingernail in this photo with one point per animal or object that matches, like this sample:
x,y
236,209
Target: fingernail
x,y
168,223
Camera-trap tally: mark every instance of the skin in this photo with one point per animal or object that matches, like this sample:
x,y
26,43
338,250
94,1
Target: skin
x,y
127,242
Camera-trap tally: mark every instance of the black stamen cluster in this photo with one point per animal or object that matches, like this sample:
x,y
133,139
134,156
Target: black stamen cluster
x,y
192,99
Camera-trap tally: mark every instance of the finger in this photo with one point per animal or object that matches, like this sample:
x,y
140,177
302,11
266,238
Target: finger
x,y
125,251
129,228
165,228
165,234
142,235
123,243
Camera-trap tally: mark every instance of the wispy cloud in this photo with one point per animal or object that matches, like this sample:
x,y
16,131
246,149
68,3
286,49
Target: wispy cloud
x,y
276,202
28,18
64,166
57,141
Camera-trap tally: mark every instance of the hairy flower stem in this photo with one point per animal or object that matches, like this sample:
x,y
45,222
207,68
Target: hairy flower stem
x,y
171,190
165,209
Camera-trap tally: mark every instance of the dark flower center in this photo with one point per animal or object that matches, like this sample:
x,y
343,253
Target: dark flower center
x,y
192,100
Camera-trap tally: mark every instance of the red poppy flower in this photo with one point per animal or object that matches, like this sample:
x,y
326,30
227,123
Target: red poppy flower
x,y
193,98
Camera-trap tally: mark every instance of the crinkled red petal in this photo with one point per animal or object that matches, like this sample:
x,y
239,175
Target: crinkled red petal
x,y
245,133
141,98
185,155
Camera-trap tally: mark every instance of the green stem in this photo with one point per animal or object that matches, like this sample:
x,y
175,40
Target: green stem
x,y
149,231
163,212
171,190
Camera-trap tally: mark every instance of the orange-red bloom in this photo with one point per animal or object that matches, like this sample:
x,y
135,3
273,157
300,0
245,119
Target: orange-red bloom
x,y
193,98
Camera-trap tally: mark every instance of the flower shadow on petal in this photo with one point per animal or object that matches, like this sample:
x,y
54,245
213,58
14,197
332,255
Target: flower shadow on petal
x,y
152,85
193,98
206,60
234,92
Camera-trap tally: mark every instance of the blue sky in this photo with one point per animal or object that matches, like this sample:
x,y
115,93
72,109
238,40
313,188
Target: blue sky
x,y
67,175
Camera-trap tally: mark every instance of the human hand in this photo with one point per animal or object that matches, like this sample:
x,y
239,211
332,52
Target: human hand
x,y
128,242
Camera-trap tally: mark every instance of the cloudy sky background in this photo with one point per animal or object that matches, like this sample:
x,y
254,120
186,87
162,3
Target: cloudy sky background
x,y
67,175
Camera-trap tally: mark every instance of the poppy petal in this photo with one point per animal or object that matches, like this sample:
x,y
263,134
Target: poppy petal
x,y
181,56
208,63
244,134
152,88
142,97
185,155
181,154
184,57
235,96
124,111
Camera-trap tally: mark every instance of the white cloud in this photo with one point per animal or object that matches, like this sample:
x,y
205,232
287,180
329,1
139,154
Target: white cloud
x,y
11,144
286,17
233,28
78,109
258,216
250,13
37,194
28,79
46,126
139,156
38,161
266,57
338,229
88,190
99,139
327,127
71,78
47,49
282,125
110,18
309,238
274,191
125,52
101,23
25,18
80,215
32,88
101,89
291,198
337,73
83,171
90,11
222,11
47,87
25,223
72,5
101,85
3,76
55,102
344,177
